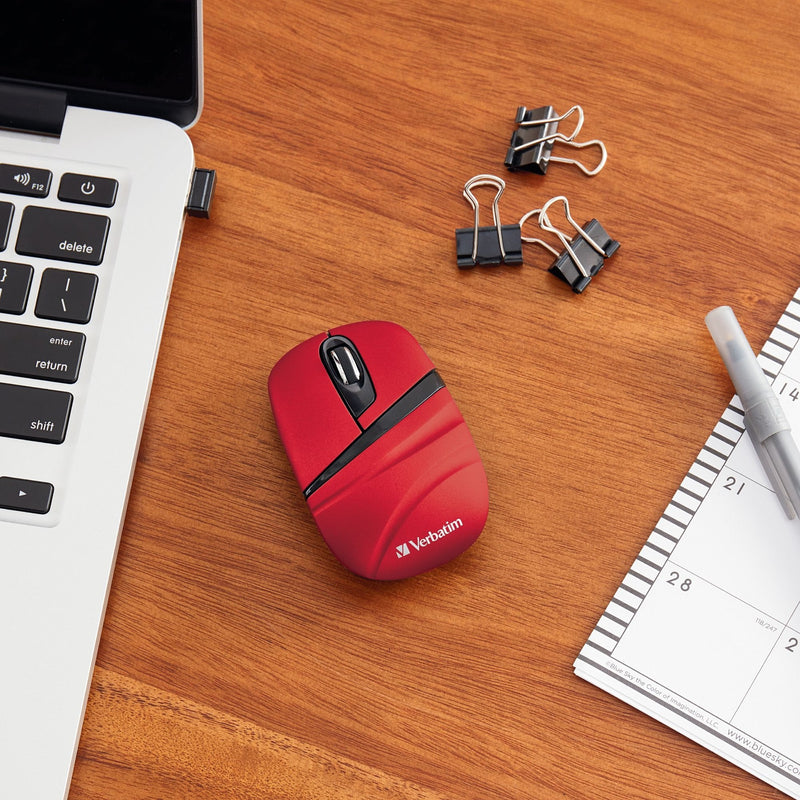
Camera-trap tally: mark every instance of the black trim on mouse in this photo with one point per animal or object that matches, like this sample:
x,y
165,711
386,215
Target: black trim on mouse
x,y
411,400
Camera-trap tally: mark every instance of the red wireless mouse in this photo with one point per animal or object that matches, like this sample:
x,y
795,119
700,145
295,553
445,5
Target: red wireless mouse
x,y
380,450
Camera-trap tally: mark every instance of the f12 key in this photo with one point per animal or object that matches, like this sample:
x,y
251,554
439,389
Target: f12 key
x,y
26,181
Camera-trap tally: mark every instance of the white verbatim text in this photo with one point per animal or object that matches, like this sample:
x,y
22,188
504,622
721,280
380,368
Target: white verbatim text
x,y
415,545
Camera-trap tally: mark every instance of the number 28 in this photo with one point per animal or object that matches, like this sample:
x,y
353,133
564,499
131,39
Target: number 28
x,y
674,577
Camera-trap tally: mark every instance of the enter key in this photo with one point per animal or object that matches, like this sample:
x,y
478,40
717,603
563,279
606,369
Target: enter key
x,y
29,351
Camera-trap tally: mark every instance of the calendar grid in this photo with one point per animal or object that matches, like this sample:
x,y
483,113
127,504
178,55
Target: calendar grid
x,y
702,474
785,628
705,573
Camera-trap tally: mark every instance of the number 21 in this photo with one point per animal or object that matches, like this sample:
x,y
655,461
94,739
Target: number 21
x,y
731,484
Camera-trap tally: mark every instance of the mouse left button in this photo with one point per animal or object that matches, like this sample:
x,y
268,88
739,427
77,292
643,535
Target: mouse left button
x,y
348,373
313,424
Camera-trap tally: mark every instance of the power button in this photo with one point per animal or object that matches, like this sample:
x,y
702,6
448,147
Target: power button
x,y
88,189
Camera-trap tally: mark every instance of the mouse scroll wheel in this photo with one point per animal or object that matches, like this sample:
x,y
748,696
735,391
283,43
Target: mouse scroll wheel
x,y
345,365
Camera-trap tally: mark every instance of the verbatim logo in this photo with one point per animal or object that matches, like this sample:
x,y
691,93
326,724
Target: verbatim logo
x,y
415,545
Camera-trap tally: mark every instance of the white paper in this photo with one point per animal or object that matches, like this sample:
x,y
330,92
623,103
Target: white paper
x,y
704,632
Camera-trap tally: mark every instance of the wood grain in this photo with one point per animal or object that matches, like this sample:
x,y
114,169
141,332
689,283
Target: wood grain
x,y
238,658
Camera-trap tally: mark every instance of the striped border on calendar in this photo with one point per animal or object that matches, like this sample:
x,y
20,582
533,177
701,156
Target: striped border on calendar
x,y
690,494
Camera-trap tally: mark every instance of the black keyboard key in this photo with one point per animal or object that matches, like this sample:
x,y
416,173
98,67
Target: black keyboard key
x,y
32,352
28,181
88,189
66,296
63,235
15,283
19,494
6,215
40,415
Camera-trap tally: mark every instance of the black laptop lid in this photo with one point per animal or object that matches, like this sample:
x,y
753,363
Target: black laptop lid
x,y
139,57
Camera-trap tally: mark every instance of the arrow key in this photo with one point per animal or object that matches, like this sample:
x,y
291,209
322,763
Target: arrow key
x,y
19,494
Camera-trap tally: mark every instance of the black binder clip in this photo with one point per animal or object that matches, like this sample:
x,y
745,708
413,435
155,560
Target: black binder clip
x,y
583,256
496,244
532,143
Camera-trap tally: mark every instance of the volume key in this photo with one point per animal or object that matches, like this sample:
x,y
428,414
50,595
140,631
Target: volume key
x,y
27,181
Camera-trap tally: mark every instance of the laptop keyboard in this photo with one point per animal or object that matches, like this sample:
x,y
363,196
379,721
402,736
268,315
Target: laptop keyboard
x,y
54,229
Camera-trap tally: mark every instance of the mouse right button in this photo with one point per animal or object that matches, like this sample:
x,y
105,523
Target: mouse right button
x,y
394,359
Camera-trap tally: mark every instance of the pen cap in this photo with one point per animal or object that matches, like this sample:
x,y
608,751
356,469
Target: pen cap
x,y
748,378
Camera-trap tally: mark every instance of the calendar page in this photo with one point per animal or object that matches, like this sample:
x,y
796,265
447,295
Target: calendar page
x,y
704,631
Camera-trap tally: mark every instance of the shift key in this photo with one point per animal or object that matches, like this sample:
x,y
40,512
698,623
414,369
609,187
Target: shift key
x,y
33,352
40,415
63,235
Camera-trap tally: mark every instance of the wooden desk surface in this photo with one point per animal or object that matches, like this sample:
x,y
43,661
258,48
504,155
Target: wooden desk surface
x,y
239,660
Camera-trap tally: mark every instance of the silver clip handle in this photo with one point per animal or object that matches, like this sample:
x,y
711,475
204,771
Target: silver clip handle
x,y
500,185
578,164
546,225
534,123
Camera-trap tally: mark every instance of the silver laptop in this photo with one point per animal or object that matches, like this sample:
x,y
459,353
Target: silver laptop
x,y
95,176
